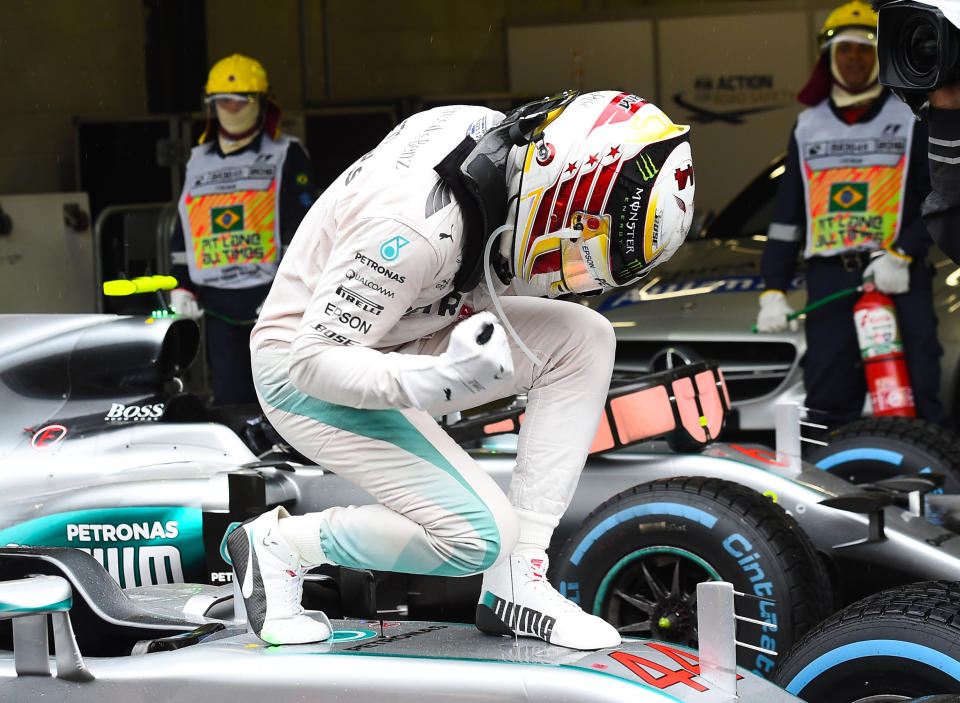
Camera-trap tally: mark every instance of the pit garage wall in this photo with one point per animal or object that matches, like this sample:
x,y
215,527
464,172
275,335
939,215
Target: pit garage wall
x,y
64,58
732,77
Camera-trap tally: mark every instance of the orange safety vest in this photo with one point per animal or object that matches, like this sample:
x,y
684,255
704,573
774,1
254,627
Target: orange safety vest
x,y
229,211
854,177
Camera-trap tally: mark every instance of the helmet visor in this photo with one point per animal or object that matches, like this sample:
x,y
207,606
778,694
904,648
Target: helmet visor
x,y
221,98
585,259
857,35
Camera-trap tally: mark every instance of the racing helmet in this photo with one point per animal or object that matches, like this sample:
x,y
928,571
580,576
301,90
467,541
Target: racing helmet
x,y
604,193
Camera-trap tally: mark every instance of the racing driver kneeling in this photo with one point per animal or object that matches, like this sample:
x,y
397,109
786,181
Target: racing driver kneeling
x,y
381,318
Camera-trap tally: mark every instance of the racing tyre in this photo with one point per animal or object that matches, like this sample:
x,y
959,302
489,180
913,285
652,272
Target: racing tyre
x,y
895,645
881,447
637,559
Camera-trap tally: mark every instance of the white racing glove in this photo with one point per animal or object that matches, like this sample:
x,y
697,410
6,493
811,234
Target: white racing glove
x,y
890,272
185,303
773,312
477,359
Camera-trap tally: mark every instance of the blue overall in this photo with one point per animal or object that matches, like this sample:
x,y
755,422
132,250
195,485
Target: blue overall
x,y
832,369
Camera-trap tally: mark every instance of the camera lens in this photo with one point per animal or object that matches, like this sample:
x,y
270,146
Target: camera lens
x,y
919,50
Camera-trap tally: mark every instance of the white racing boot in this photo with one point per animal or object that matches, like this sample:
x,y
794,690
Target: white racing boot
x,y
270,573
516,598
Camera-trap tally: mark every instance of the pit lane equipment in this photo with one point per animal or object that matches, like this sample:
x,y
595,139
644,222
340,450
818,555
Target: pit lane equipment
x,y
885,366
140,284
884,363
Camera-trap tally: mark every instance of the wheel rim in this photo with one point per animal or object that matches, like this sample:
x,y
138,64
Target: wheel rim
x,y
652,593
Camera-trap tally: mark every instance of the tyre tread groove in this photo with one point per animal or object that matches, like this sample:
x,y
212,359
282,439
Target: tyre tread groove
x,y
808,585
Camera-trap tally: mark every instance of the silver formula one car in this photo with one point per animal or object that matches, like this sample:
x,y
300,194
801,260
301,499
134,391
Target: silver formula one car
x,y
184,643
101,451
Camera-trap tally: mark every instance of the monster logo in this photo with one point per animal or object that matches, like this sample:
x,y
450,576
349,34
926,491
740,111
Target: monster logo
x,y
646,167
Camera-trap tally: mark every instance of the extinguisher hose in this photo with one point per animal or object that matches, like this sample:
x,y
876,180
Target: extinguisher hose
x,y
823,301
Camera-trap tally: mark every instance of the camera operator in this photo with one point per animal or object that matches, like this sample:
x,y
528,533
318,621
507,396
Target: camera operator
x,y
941,209
918,47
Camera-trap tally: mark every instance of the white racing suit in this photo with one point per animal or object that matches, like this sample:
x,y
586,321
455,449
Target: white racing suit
x,y
369,276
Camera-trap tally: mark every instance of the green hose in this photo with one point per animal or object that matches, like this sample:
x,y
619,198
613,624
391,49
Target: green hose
x,y
229,320
823,301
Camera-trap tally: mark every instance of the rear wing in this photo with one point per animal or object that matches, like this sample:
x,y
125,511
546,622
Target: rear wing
x,y
686,406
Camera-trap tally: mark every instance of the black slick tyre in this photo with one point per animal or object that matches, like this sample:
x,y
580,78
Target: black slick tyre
x,y
636,560
896,645
882,447
877,448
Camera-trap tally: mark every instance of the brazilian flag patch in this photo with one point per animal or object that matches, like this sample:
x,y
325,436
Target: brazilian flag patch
x,y
226,219
302,179
848,197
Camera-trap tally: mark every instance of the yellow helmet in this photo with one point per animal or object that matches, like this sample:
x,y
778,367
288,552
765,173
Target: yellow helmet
x,y
237,74
851,15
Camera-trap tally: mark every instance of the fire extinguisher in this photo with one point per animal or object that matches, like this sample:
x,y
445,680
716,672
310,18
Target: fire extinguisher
x,y
881,349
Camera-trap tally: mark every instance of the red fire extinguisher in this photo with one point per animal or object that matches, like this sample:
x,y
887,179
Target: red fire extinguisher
x,y
882,351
